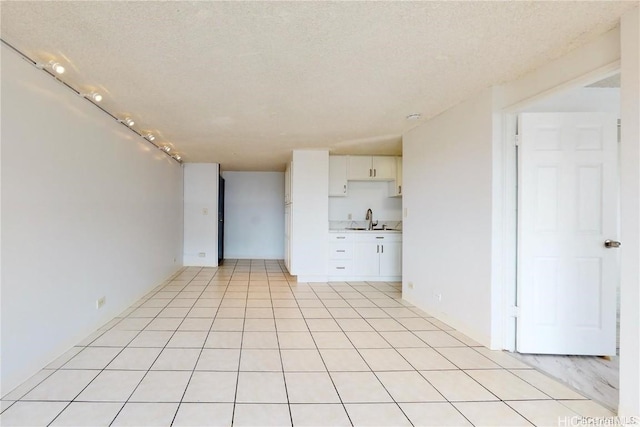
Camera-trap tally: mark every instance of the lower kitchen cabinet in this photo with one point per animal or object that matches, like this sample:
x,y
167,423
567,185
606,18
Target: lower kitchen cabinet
x,y
391,259
365,255
377,255
340,254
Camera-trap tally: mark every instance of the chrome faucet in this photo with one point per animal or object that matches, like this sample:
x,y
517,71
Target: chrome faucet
x,y
369,217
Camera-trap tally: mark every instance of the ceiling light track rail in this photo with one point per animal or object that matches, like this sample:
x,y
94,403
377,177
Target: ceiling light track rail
x,y
54,69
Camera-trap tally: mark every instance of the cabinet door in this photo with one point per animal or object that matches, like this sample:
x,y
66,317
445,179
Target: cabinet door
x,y
338,176
360,168
287,184
395,187
399,175
366,259
384,168
287,237
391,259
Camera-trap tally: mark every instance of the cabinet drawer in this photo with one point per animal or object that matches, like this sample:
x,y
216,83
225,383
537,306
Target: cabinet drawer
x,y
340,268
379,237
340,250
340,237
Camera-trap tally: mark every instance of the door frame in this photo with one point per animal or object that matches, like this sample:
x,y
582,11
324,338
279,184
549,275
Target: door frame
x,y
507,199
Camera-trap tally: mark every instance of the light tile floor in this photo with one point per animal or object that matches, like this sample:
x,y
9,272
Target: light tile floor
x,y
246,345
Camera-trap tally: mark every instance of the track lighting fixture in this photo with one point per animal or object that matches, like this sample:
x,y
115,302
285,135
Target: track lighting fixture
x,y
93,96
56,67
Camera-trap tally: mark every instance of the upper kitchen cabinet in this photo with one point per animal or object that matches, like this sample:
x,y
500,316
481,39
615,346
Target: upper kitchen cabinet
x,y
371,168
338,176
395,187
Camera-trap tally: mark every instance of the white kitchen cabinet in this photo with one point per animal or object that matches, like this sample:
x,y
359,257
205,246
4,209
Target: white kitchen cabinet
x,y
287,236
360,168
371,168
384,168
391,259
378,255
340,254
367,259
287,216
338,176
287,184
395,187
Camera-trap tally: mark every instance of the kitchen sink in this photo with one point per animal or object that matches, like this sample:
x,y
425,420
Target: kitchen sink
x,y
364,229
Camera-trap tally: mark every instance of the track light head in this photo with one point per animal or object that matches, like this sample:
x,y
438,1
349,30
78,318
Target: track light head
x,y
93,96
56,67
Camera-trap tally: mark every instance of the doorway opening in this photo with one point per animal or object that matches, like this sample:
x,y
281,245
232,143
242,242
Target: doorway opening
x,y
546,308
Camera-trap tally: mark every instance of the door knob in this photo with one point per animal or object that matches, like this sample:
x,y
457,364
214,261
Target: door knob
x,y
611,244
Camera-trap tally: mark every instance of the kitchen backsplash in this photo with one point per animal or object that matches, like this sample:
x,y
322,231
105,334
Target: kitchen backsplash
x,y
364,195
341,225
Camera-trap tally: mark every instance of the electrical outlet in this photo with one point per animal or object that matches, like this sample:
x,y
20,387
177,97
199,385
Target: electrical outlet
x,y
410,285
349,217
100,302
439,297
202,254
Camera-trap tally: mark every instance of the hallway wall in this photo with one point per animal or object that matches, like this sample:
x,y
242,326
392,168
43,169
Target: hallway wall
x,y
254,215
201,214
89,210
448,207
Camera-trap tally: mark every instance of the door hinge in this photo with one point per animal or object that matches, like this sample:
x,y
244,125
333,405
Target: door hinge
x,y
517,140
514,311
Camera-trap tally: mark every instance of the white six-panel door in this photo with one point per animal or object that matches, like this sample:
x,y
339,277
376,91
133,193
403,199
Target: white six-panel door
x,y
567,208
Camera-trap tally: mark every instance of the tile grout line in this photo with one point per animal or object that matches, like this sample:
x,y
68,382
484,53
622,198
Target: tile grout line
x,y
284,378
201,348
367,363
161,351
342,403
244,321
104,368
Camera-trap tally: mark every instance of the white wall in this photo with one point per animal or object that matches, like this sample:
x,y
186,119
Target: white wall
x,y
447,178
254,215
89,209
310,215
362,195
201,214
630,217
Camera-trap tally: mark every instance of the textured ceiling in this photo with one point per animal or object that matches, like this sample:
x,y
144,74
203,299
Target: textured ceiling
x,y
244,83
